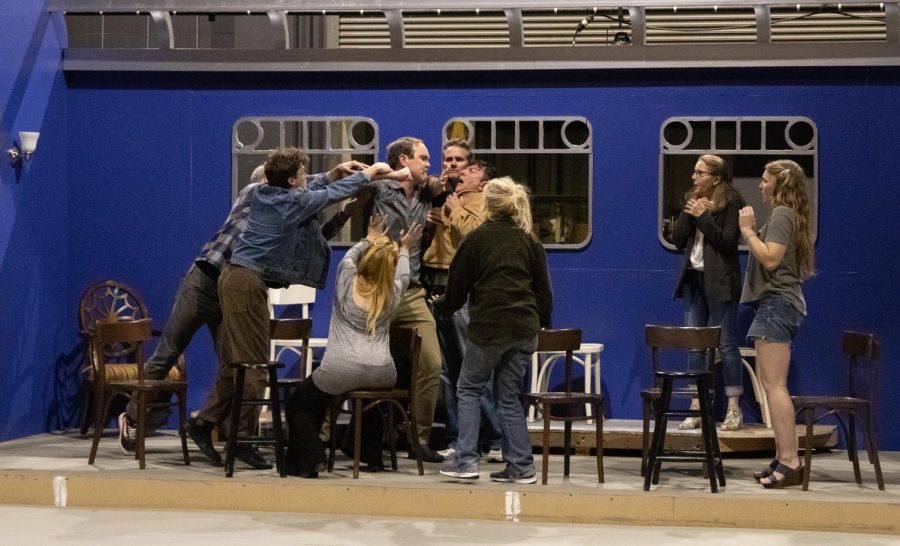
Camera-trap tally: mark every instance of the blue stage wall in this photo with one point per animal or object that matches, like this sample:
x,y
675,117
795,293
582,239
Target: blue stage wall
x,y
36,307
150,176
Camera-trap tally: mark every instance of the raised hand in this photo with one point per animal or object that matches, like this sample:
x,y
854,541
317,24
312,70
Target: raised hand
x,y
747,221
345,169
410,238
377,227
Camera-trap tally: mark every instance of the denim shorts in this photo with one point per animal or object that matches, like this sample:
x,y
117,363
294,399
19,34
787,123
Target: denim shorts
x,y
775,320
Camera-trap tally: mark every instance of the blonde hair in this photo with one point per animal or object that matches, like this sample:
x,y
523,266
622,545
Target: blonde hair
x,y
375,278
506,198
790,191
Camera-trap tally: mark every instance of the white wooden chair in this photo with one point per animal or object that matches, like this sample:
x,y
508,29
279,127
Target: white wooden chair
x,y
296,294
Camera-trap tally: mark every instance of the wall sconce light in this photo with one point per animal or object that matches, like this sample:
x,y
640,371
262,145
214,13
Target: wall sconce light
x,y
28,141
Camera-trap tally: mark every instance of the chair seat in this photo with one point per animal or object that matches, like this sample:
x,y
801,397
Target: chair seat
x,y
378,393
146,385
268,365
688,374
126,371
835,402
564,398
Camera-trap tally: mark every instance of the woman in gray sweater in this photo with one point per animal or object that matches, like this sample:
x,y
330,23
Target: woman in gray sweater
x,y
370,282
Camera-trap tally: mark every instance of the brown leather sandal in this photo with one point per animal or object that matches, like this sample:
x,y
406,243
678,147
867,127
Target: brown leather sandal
x,y
789,477
767,471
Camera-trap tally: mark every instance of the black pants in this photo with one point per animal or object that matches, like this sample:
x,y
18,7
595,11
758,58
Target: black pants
x,y
306,409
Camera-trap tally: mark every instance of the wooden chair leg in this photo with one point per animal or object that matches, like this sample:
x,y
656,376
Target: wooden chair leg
x,y
872,444
414,435
357,435
659,435
140,446
706,434
275,406
236,402
87,408
645,439
332,436
100,409
182,417
390,430
567,447
545,442
598,418
852,447
807,449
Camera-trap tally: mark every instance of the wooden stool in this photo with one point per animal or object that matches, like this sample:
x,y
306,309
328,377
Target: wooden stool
x,y
709,454
274,400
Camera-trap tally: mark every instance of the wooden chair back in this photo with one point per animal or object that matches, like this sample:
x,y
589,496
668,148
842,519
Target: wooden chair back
x,y
293,330
107,336
864,354
567,341
406,344
688,338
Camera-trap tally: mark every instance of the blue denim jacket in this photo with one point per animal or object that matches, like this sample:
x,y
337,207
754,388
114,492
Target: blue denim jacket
x,y
283,241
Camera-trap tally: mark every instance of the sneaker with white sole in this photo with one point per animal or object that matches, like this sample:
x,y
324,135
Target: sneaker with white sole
x,y
127,435
447,453
494,456
505,477
463,475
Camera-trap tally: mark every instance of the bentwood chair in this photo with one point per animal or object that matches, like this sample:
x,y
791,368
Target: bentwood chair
x,y
856,407
406,344
106,338
566,401
110,301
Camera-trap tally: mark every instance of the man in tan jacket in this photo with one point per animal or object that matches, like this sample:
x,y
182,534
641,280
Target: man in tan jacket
x,y
461,213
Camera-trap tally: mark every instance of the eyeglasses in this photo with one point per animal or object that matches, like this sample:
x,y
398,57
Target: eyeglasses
x,y
701,173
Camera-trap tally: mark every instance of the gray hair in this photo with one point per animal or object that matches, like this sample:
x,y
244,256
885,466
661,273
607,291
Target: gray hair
x,y
258,174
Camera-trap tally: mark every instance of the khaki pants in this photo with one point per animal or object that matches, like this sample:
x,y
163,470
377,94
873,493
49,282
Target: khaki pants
x,y
413,313
245,338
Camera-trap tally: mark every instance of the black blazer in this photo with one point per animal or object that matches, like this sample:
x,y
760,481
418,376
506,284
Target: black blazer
x,y
721,234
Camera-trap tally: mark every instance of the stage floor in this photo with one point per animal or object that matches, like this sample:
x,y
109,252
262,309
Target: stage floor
x,y
29,467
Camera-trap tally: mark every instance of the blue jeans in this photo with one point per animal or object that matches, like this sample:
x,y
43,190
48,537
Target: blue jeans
x,y
508,363
700,312
452,337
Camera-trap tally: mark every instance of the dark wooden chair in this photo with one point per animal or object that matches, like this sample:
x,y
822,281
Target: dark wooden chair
x,y
406,344
684,339
107,337
288,329
567,402
857,407
296,331
110,301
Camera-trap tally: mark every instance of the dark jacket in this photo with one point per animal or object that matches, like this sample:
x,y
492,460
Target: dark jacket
x,y
502,271
721,234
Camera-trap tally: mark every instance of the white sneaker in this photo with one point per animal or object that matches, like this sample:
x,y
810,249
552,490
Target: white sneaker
x,y
494,456
462,475
447,453
127,435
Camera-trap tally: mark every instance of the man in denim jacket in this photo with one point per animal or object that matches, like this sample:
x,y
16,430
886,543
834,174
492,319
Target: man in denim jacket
x,y
281,245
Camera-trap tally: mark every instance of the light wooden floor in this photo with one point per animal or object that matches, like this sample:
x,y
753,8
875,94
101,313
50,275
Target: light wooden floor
x,y
30,466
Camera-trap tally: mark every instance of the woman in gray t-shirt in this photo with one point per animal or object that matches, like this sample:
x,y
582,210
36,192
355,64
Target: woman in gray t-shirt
x,y
781,258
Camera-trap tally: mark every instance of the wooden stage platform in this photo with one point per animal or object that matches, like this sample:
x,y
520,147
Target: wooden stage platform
x,y
52,469
627,434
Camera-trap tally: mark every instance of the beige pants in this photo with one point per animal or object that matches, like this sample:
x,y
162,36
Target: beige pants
x,y
245,338
413,313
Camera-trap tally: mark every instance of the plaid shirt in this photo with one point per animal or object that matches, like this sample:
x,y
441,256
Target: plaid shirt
x,y
217,251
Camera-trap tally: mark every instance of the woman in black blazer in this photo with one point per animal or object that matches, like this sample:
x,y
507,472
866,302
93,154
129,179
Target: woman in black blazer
x,y
710,281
